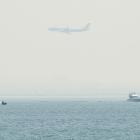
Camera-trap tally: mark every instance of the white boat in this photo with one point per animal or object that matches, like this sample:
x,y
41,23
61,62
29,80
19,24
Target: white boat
x,y
133,97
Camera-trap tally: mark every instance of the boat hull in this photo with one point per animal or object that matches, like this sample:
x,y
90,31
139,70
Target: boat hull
x,y
134,100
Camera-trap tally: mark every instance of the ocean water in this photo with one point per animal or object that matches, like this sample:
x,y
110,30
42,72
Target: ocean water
x,y
70,120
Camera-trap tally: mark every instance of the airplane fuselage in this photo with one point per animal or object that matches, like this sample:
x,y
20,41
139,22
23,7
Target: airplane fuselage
x,y
69,30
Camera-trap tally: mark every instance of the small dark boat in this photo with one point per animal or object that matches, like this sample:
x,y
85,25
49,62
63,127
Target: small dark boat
x,y
3,103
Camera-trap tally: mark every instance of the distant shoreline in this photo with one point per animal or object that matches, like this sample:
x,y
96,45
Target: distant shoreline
x,y
64,98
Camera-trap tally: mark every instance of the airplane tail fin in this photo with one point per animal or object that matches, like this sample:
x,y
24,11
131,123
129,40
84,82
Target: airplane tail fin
x,y
87,27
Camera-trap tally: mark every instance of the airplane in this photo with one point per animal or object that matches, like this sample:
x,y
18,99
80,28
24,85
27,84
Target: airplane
x,y
69,30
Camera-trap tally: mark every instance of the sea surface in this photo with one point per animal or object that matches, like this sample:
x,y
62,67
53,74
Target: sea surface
x,y
70,120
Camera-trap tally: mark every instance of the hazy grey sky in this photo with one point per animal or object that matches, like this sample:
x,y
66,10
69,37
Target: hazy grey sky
x,y
34,61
